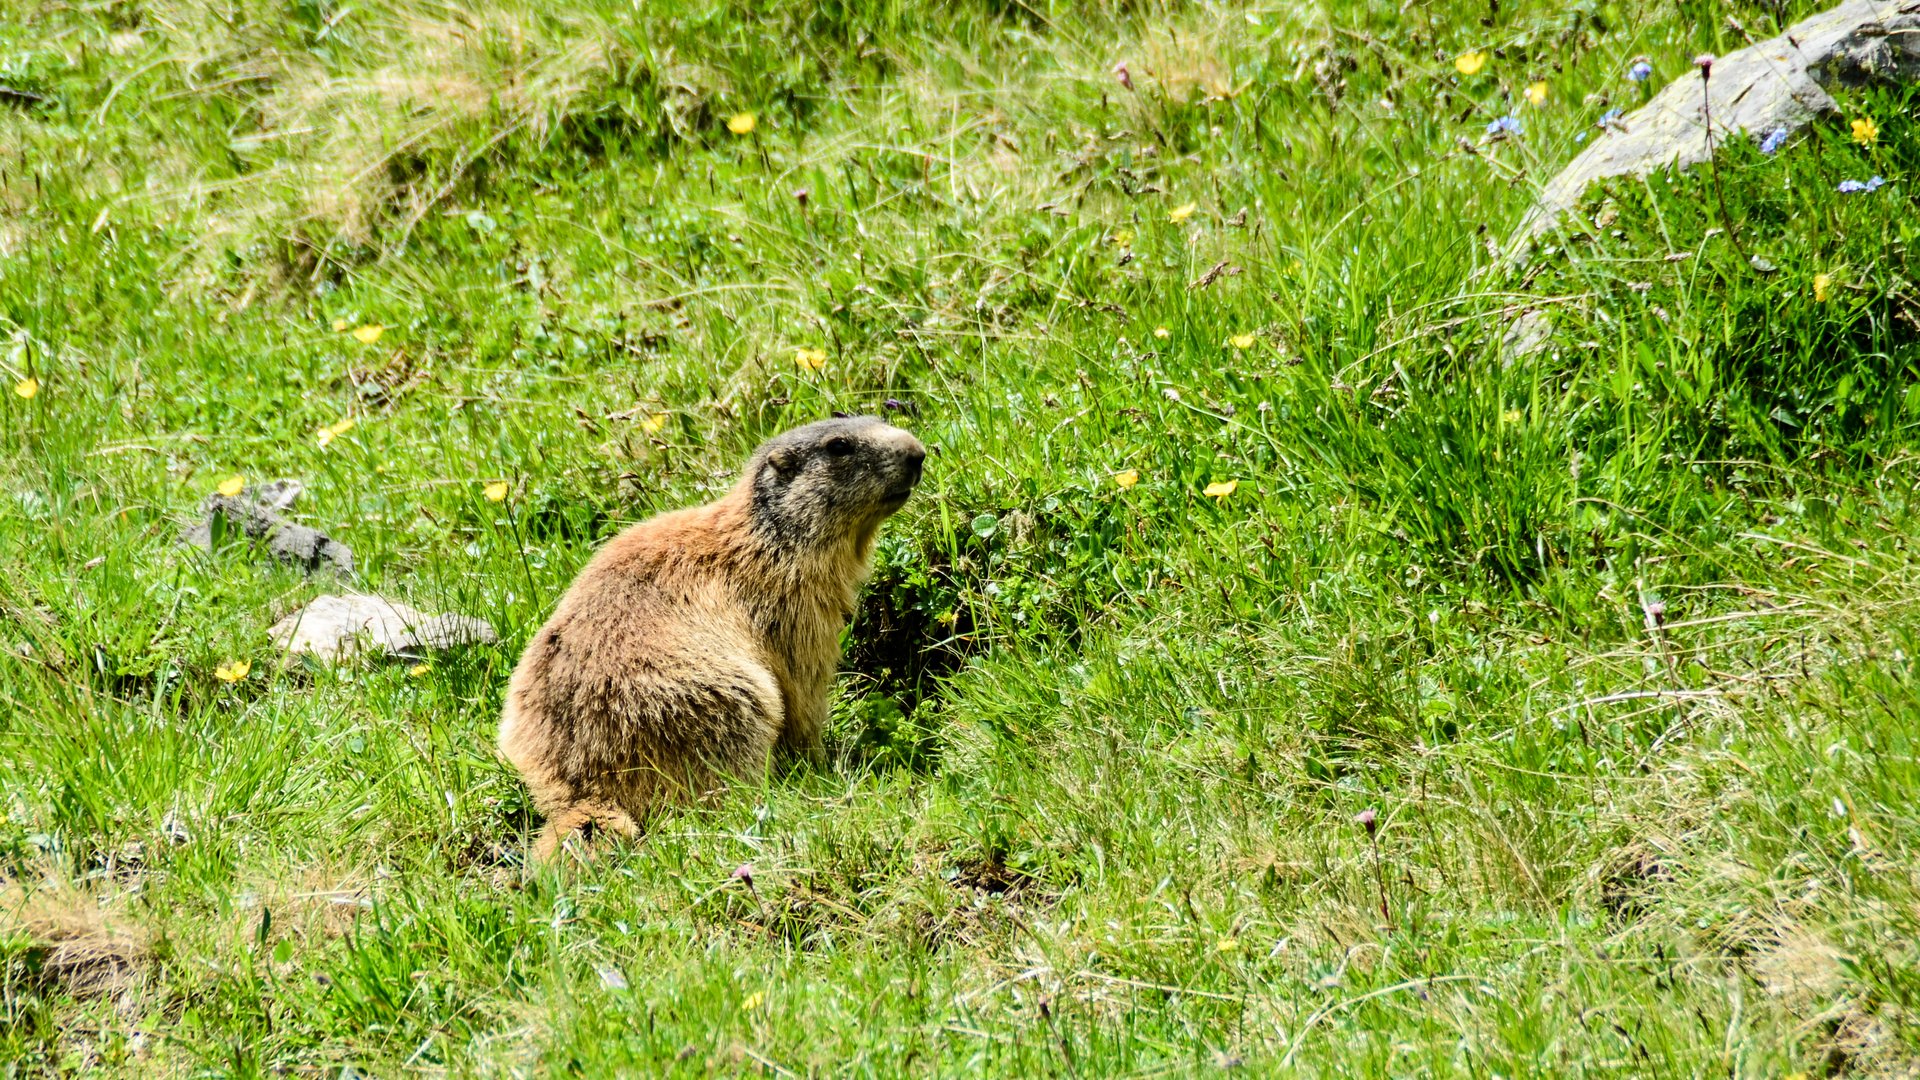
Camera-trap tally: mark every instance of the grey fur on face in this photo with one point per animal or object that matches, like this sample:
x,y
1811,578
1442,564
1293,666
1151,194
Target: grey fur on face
x,y
832,478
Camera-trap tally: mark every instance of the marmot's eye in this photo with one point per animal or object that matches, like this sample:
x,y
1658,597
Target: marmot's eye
x,y
839,447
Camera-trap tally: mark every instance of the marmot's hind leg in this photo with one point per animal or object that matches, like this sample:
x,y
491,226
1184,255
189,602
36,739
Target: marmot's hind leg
x,y
569,819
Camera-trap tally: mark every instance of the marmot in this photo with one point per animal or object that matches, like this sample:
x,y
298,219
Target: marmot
x,y
696,642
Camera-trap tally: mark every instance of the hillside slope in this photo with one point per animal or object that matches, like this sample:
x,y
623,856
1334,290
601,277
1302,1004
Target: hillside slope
x,y
1286,665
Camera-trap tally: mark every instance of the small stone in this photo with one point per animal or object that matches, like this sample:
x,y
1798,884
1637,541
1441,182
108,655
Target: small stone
x,y
1527,334
611,978
174,829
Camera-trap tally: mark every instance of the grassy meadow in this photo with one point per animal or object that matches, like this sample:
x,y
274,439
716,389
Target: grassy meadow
x,y
1288,666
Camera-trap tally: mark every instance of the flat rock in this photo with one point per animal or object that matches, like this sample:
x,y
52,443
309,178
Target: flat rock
x,y
1777,83
335,627
1528,334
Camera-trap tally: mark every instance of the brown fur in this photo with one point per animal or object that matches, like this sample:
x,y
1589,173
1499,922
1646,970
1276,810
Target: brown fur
x,y
694,644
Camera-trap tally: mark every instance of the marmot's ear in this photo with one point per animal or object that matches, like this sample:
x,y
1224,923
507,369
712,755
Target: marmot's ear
x,y
784,459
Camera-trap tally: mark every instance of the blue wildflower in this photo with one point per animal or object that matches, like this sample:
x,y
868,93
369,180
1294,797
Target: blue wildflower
x,y
1854,187
1641,71
1506,125
1773,141
1582,137
1608,119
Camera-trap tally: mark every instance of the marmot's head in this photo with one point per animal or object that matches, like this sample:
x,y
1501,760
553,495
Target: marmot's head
x,y
833,481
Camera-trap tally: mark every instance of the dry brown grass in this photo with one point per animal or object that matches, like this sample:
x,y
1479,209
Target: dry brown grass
x,y
334,150
79,945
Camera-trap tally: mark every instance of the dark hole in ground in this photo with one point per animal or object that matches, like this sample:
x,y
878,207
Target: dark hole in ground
x,y
912,633
1626,889
489,851
991,876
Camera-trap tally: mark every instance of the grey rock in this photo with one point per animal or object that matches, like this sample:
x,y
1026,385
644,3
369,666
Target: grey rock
x,y
290,542
1527,334
1777,83
275,494
254,515
338,627
1884,51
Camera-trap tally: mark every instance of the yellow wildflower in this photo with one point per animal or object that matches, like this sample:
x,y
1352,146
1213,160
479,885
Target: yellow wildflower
x,y
1241,341
495,491
1182,213
335,430
232,485
753,1001
1220,489
1123,238
1865,131
27,387
1537,92
1227,945
1470,63
810,359
418,670
1162,333
652,424
1821,283
742,123
369,333
1127,479
1512,416
340,325
232,670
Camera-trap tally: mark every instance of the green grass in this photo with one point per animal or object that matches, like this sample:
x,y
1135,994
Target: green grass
x,y
1617,637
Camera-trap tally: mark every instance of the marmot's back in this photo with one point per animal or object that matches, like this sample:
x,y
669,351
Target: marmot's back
x,y
638,692
694,643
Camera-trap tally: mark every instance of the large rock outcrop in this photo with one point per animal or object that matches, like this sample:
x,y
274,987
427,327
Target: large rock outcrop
x,y
1777,84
